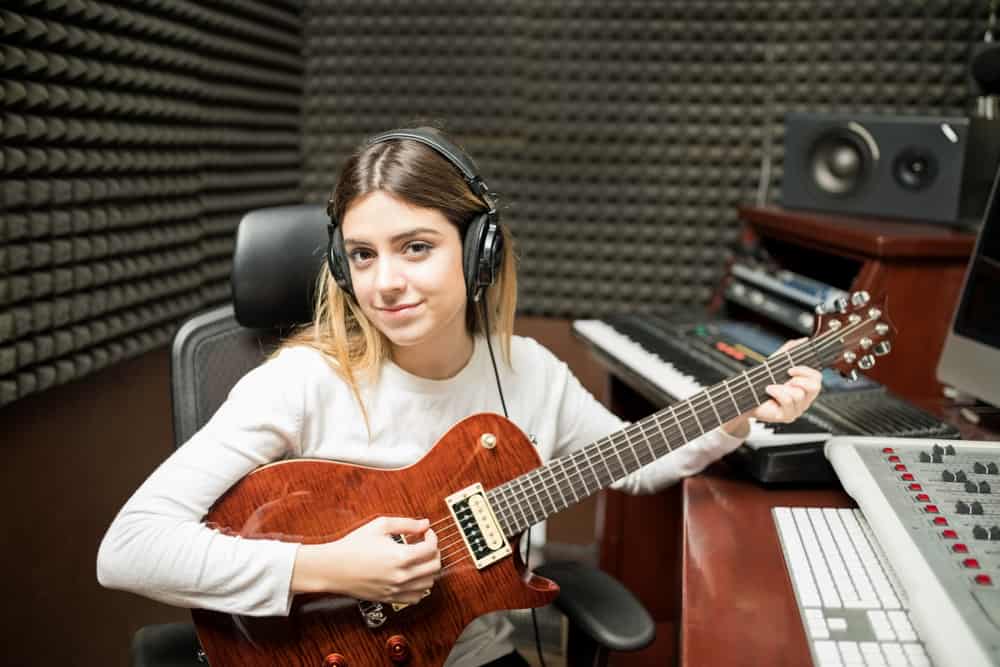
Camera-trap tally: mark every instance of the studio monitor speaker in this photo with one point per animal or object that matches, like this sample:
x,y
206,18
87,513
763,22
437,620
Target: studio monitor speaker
x,y
937,169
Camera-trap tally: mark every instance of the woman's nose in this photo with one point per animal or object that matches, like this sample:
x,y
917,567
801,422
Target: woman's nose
x,y
389,276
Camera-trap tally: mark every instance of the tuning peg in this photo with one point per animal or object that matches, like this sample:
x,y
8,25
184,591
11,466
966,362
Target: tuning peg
x,y
820,309
841,304
882,348
852,375
860,298
866,362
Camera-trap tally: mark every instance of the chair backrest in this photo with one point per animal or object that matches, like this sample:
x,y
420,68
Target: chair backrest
x,y
277,255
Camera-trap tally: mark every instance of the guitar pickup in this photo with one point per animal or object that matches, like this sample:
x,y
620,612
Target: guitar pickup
x,y
478,525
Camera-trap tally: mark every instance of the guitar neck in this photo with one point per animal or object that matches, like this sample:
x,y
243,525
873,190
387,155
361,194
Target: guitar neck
x,y
533,497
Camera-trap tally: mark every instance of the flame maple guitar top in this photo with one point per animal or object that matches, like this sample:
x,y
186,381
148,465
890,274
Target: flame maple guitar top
x,y
313,501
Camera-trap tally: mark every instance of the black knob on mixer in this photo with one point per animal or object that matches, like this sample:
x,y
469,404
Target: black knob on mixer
x,y
978,468
960,476
976,507
961,507
947,476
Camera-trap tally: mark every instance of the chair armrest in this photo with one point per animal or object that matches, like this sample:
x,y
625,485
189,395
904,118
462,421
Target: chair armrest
x,y
166,645
600,606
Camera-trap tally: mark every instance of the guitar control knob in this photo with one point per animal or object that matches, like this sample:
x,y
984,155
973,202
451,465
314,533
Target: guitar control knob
x,y
398,648
334,660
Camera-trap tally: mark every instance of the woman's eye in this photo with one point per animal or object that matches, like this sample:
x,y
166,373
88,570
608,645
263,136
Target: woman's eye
x,y
418,248
359,255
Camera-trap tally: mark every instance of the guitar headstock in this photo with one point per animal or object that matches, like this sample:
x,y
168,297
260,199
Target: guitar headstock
x,y
852,333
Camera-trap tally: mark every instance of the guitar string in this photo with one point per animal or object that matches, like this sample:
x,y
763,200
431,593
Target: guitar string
x,y
758,373
817,343
821,345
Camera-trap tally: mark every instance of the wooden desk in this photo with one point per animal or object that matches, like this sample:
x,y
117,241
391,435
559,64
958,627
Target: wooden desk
x,y
704,556
737,602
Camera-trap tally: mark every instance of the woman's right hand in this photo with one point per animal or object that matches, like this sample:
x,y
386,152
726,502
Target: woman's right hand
x,y
368,564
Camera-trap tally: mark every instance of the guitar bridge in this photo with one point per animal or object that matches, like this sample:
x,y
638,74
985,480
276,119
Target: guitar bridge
x,y
478,525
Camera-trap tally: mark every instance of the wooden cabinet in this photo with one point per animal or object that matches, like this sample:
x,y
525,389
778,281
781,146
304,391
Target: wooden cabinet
x,y
919,267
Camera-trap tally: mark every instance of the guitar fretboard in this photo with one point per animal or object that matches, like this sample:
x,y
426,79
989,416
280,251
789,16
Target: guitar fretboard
x,y
534,496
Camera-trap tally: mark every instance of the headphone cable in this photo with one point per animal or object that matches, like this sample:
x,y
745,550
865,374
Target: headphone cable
x,y
503,403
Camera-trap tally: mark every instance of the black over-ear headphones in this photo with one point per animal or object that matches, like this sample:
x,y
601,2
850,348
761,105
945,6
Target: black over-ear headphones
x,y
482,247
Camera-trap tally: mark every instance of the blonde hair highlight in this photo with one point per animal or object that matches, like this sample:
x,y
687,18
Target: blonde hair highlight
x,y
350,344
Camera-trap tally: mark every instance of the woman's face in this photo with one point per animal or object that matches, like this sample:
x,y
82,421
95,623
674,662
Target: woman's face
x,y
406,270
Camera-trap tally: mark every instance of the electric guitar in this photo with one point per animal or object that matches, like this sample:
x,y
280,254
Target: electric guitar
x,y
481,486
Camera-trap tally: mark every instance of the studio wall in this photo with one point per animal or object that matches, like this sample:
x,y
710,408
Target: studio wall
x,y
621,135
132,138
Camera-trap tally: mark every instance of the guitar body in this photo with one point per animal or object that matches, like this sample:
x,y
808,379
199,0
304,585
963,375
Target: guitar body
x,y
315,501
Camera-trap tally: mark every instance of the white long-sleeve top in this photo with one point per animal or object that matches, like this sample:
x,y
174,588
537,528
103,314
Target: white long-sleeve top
x,y
295,405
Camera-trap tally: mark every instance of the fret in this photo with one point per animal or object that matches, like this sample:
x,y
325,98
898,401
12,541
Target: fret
x,y
695,415
649,444
711,402
663,434
752,390
769,372
618,455
604,460
547,486
520,505
538,498
597,477
733,398
791,361
558,486
632,449
678,422
569,477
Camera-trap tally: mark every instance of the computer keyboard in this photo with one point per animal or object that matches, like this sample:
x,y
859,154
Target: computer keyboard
x,y
852,609
912,577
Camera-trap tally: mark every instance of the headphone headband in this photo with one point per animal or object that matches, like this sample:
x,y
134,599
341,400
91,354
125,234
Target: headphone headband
x,y
462,161
483,242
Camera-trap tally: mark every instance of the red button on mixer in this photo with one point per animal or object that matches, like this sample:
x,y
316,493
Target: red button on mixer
x,y
949,534
931,509
923,497
916,487
888,450
960,548
906,477
900,468
971,563
940,521
983,579
893,459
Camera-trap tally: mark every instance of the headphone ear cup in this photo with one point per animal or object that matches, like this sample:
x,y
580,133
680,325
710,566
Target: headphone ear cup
x,y
472,251
340,268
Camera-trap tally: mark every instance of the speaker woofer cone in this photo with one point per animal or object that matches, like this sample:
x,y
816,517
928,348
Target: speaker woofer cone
x,y
839,162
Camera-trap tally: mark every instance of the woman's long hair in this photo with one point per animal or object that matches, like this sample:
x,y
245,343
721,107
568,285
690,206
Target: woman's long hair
x,y
418,175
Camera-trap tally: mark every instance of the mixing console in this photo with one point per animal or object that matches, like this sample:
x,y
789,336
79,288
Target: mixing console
x,y
933,507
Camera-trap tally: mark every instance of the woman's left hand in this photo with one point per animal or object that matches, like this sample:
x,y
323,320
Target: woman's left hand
x,y
788,400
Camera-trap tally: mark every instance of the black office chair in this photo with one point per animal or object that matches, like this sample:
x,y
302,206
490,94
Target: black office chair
x,y
277,255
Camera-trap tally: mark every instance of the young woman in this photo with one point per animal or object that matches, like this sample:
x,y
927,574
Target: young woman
x,y
395,356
